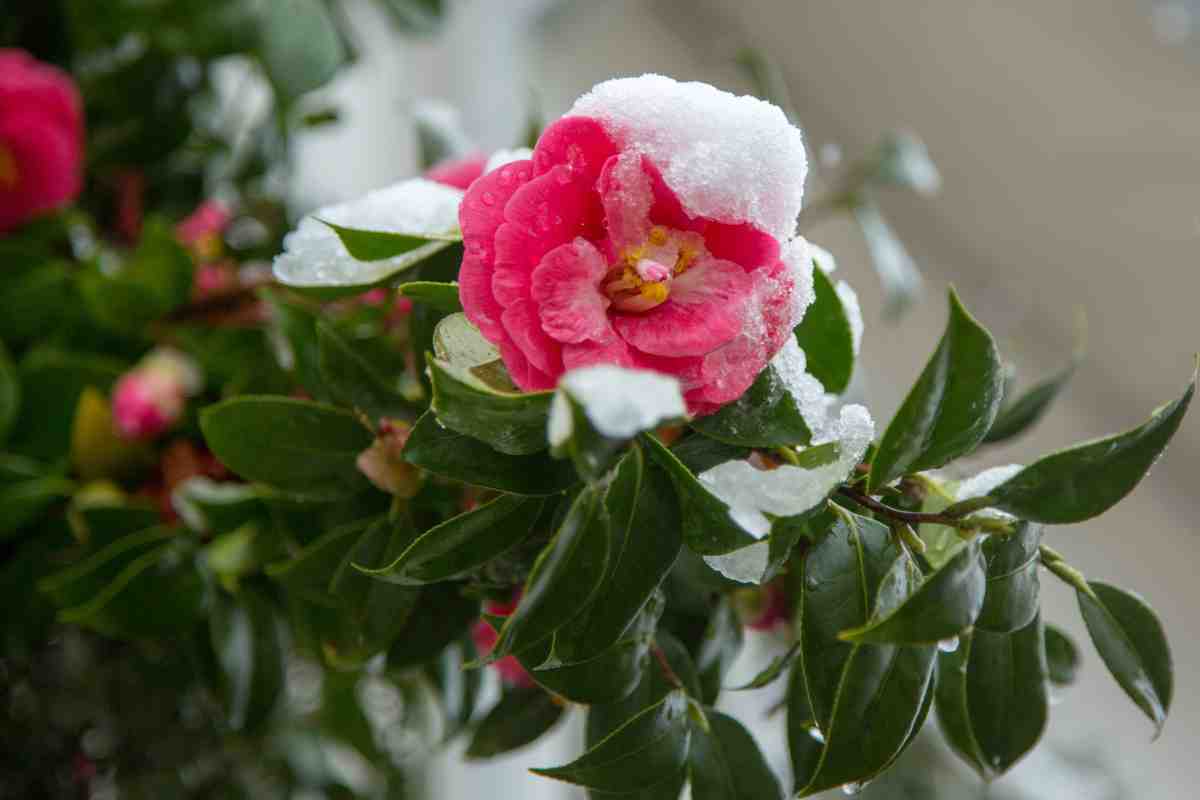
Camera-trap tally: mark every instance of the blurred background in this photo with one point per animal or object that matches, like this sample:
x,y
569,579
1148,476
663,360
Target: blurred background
x,y
1065,137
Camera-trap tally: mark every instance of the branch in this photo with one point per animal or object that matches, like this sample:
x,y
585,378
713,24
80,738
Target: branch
x,y
953,520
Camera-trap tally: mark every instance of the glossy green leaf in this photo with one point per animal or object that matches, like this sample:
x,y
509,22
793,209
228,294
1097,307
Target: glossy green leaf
x,y
650,748
463,458
513,423
301,49
295,445
1130,639
82,582
564,578
826,336
656,683
646,543
1062,657
442,296
1013,587
950,408
458,341
24,501
726,764
10,392
521,717
765,416
992,701
463,543
719,648
1084,481
246,639
863,699
213,508
354,379
442,614
610,676
942,605
52,381
707,527
699,453
379,245
296,326
1023,412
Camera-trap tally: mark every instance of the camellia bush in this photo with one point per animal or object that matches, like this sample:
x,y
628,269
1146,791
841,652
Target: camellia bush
x,y
565,419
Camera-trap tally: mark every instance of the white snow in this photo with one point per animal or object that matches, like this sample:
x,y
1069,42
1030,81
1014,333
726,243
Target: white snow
x,y
736,159
619,402
314,255
823,258
983,483
791,364
849,298
752,494
444,121
501,157
798,256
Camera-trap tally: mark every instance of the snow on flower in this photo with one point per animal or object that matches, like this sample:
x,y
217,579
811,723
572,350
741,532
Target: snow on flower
x,y
618,402
41,139
651,228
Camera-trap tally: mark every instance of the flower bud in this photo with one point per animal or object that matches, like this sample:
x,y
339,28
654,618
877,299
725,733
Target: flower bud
x,y
151,398
202,230
384,465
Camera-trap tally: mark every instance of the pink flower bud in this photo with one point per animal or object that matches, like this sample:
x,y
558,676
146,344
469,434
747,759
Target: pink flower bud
x,y
208,221
457,172
384,465
151,398
41,139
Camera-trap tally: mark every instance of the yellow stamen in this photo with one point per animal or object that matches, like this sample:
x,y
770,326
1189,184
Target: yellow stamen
x,y
8,168
655,292
658,235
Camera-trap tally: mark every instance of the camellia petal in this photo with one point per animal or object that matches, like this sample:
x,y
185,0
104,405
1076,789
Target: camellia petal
x,y
565,286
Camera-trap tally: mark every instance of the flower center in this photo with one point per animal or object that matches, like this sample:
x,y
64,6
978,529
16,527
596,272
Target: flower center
x,y
8,168
641,278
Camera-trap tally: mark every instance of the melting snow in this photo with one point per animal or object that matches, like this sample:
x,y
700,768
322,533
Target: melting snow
x,y
619,402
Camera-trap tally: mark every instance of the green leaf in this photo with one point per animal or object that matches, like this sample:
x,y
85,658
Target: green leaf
x,y
10,393
442,296
52,382
901,160
719,648
564,577
898,274
295,445
1084,481
1023,413
510,422
520,718
941,606
355,380
1013,587
380,245
457,340
463,543
951,407
826,336
864,699
992,701
443,613
650,748
246,639
604,718
707,527
646,543
699,453
1130,640
296,325
463,458
1062,657
301,49
607,678
214,508
23,502
34,300
416,16
765,416
596,411
726,764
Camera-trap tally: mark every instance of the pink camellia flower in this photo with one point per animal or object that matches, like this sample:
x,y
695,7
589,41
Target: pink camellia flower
x,y
654,228
485,636
458,172
151,397
41,138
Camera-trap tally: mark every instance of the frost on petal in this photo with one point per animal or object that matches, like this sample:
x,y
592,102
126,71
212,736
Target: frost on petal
x,y
752,494
707,308
619,402
314,255
565,286
797,255
729,158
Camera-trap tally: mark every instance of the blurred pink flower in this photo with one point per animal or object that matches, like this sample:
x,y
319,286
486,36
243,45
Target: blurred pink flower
x,y
152,396
458,172
41,139
510,670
